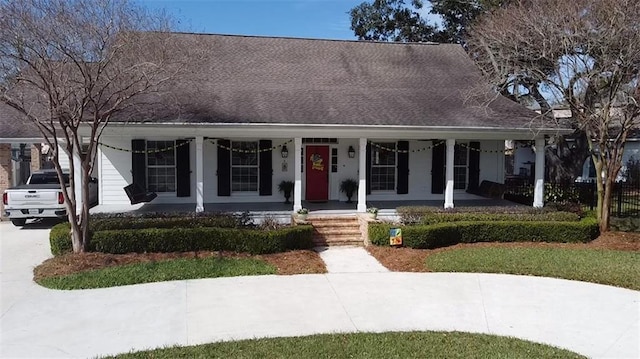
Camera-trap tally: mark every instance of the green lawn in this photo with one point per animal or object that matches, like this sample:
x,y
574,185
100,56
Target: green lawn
x,y
368,345
617,268
176,269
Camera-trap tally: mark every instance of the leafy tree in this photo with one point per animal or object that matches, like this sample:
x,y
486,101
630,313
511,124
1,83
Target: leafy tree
x,y
395,20
69,66
582,53
390,20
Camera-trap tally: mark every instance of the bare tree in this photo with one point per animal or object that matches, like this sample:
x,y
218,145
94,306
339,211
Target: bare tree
x,y
70,66
581,53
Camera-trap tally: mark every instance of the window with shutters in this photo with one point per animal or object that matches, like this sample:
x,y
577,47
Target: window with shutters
x,y
383,166
460,165
244,166
161,166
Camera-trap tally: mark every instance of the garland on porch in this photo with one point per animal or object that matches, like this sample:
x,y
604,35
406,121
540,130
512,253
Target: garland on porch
x,y
228,148
157,150
442,142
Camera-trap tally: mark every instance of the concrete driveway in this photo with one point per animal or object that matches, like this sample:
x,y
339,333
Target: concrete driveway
x,y
594,320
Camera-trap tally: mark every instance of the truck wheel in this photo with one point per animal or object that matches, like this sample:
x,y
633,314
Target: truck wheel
x,y
19,222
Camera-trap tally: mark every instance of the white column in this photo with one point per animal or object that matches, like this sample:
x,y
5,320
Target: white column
x,y
77,175
199,174
448,191
538,194
297,165
362,176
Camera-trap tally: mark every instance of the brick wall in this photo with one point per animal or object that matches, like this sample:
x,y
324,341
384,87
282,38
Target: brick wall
x,y
5,171
36,158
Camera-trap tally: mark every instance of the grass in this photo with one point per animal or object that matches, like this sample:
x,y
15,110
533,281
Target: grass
x,y
176,269
611,267
367,345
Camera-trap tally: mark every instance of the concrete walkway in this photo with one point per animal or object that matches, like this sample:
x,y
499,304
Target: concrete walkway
x,y
594,320
349,260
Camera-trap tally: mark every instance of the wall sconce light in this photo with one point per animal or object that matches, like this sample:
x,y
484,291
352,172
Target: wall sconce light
x,y
352,152
284,151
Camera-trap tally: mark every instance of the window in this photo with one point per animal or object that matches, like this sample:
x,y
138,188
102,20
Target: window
x,y
383,166
244,167
334,160
460,159
161,166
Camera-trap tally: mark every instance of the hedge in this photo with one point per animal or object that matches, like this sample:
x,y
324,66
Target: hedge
x,y
60,239
440,217
167,220
449,233
189,239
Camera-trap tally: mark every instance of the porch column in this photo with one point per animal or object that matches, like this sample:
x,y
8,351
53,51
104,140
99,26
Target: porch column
x,y
448,192
362,176
77,175
199,175
538,194
297,165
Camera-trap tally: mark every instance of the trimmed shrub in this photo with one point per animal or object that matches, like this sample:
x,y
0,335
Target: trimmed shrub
x,y
449,233
625,224
115,221
414,214
440,217
202,238
60,239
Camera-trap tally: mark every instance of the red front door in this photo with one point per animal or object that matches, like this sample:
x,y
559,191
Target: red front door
x,y
317,167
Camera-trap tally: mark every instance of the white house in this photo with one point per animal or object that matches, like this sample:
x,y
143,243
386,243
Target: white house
x,y
403,120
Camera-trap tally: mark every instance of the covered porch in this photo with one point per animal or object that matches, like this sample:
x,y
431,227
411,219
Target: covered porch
x,y
386,208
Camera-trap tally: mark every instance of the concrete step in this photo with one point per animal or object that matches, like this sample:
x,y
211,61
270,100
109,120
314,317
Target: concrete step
x,y
336,230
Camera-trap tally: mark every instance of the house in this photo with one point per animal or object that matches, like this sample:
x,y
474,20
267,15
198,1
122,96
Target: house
x,y
20,150
524,155
406,121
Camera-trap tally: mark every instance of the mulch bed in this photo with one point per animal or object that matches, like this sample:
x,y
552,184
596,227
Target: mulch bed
x,y
287,263
413,260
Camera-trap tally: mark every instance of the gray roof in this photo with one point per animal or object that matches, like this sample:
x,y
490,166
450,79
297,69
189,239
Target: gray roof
x,y
271,80
14,126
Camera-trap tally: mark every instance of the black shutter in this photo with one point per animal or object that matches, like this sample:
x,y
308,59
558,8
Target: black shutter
x,y
139,162
266,168
224,168
403,167
368,172
474,166
183,170
437,168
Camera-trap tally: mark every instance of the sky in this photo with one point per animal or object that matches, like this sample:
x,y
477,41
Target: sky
x,y
325,19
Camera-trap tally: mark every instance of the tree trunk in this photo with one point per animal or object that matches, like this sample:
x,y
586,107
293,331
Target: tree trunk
x,y
605,212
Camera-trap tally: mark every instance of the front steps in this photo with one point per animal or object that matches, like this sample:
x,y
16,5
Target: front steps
x,y
336,230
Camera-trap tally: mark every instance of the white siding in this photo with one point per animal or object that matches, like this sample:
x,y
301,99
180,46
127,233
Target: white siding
x,y
115,172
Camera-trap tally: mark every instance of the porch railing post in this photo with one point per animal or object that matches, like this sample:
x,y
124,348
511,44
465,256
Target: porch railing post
x,y
448,191
199,175
77,175
538,194
297,188
362,176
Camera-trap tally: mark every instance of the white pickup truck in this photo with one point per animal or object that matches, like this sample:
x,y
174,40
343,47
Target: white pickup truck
x,y
41,197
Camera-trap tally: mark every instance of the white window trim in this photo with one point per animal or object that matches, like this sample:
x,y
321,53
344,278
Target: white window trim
x,y
175,175
395,167
257,166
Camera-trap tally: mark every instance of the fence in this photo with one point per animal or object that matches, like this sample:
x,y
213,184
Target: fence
x,y
625,199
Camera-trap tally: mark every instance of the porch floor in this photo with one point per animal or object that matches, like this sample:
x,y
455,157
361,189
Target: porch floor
x,y
330,207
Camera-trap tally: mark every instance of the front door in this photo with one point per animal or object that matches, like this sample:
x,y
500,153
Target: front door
x,y
317,167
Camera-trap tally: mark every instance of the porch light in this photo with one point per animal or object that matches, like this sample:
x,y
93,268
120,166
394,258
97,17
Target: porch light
x,y
352,152
284,151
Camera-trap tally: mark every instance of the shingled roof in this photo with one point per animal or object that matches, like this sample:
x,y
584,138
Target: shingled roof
x,y
270,80
14,126
274,80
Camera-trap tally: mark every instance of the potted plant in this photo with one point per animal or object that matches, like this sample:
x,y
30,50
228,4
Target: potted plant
x,y
372,212
303,213
286,187
348,187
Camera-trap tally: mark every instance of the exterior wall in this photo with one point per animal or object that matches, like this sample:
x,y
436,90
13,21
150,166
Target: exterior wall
x,y
115,168
36,157
6,171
